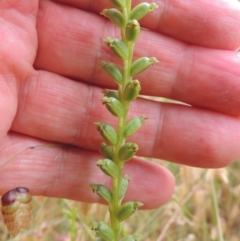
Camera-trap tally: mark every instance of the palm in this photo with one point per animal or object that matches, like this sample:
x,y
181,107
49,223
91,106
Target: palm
x,y
50,92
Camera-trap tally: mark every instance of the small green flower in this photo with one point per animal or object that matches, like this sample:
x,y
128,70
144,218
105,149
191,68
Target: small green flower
x,y
142,9
108,167
103,230
106,150
127,151
132,90
132,30
118,47
107,132
115,16
127,210
102,191
123,186
142,64
133,125
111,93
113,105
113,70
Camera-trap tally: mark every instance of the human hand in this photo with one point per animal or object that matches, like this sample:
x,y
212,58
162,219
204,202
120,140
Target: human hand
x,y
51,89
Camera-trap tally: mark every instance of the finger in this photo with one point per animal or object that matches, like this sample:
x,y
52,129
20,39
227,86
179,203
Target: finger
x,y
176,133
17,53
215,27
198,76
67,172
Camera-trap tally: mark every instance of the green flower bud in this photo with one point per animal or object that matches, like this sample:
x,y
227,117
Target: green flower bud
x,y
132,90
107,132
103,230
111,93
114,106
134,237
133,125
142,9
113,70
106,150
124,186
118,47
132,30
127,209
141,64
115,16
102,191
127,151
108,167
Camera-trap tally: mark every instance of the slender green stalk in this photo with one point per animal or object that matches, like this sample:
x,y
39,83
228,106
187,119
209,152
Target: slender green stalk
x,y
116,203
216,209
117,150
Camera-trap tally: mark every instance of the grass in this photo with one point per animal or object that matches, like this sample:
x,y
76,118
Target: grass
x,y
205,206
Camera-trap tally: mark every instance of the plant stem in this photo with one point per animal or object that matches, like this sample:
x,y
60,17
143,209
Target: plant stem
x,y
116,203
216,209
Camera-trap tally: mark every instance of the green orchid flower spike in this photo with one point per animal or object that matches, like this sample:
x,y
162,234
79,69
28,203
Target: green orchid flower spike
x,y
115,148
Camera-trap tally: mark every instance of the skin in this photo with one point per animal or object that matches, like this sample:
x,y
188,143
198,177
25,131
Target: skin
x,y
50,91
